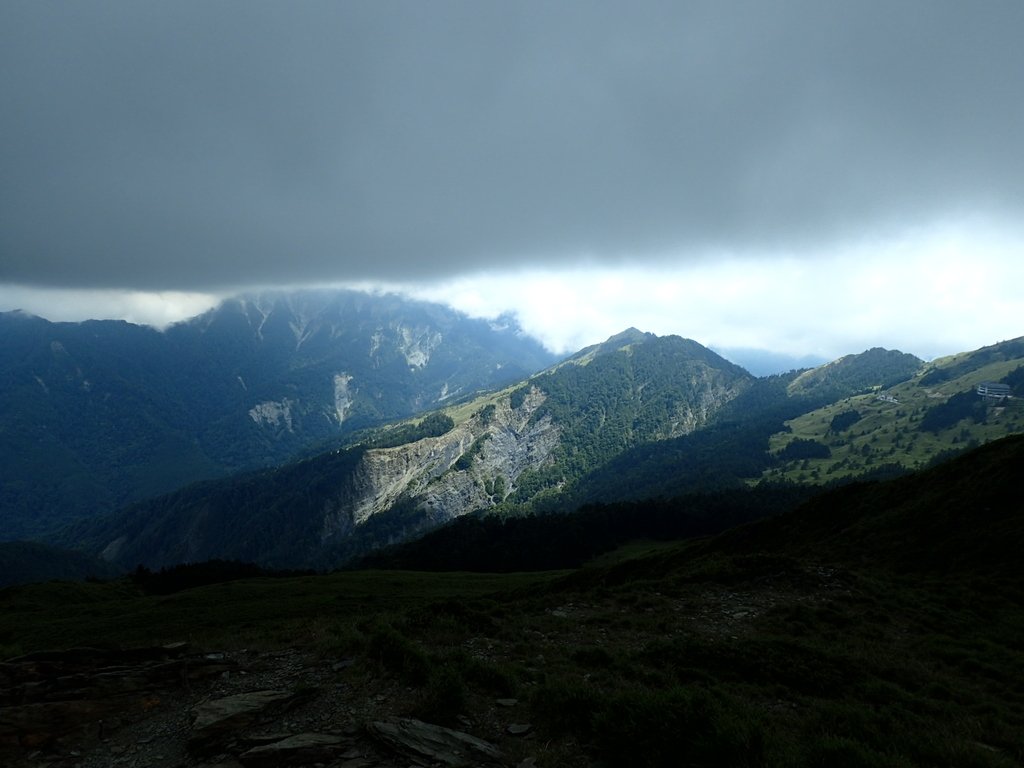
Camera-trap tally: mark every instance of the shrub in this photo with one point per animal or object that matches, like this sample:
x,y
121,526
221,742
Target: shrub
x,y
804,449
681,726
845,420
399,655
830,751
566,706
497,679
444,696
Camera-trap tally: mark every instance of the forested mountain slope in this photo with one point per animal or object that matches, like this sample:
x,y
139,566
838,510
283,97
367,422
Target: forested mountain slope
x,y
633,418
507,451
99,414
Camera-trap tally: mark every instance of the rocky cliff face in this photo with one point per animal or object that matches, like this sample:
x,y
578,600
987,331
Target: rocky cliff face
x,y
711,392
511,442
472,467
317,512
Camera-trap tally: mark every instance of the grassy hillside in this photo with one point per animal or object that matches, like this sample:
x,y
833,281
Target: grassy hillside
x,y
877,626
907,424
871,369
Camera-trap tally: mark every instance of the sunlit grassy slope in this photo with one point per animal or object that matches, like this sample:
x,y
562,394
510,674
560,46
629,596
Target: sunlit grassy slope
x,y
889,430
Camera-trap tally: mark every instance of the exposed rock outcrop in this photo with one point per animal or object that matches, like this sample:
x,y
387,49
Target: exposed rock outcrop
x,y
457,472
217,720
48,697
300,749
418,741
246,709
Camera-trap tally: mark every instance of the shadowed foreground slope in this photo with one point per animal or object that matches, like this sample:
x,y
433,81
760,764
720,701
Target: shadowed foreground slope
x,y
878,625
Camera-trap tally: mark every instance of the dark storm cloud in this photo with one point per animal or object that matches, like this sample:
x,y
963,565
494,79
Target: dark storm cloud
x,y
205,144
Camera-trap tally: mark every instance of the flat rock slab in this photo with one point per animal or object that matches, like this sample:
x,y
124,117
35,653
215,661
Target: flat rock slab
x,y
86,693
300,749
220,719
32,726
419,740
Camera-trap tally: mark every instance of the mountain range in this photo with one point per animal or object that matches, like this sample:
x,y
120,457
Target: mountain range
x,y
100,414
322,426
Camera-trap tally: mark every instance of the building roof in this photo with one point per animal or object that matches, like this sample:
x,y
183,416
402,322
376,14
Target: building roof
x,y
993,388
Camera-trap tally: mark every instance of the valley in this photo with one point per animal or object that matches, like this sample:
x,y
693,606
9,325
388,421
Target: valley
x,y
322,476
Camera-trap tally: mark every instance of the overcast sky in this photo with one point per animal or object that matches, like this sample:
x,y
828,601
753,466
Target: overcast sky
x,y
814,176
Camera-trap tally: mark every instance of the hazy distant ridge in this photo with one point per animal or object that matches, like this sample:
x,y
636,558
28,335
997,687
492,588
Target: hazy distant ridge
x,y
98,414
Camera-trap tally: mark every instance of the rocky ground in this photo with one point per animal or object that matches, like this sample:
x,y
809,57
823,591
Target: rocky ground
x,y
177,706
753,661
174,706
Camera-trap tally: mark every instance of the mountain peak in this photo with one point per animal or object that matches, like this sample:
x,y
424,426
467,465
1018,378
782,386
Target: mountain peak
x,y
18,315
622,340
629,336
875,367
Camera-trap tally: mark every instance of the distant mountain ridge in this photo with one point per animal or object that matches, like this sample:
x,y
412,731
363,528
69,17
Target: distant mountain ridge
x,y
761,362
313,363
110,425
99,414
874,368
901,414
509,450
636,417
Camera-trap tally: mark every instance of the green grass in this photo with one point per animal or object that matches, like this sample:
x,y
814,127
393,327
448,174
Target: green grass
x,y
463,412
656,656
887,433
247,613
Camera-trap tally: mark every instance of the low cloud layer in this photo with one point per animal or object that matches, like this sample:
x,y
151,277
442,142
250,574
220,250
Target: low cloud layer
x,y
931,293
195,146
